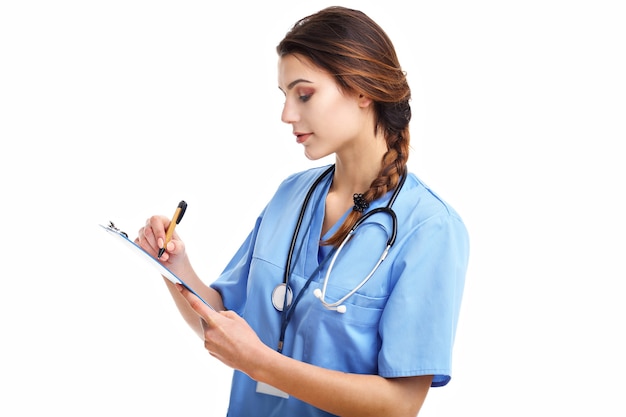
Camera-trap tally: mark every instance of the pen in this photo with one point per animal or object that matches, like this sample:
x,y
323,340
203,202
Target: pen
x,y
178,215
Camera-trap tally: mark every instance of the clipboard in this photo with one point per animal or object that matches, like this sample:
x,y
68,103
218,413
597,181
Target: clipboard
x,y
122,237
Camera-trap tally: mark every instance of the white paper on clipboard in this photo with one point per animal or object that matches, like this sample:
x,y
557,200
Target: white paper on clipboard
x,y
163,270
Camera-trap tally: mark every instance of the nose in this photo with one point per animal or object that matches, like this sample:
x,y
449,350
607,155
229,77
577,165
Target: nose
x,y
289,114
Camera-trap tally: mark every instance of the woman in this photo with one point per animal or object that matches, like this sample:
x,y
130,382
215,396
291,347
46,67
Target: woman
x,y
364,339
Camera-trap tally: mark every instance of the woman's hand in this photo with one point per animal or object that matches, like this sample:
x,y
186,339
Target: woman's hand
x,y
227,336
151,238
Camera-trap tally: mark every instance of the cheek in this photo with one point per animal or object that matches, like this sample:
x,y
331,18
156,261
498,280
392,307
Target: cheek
x,y
344,117
337,111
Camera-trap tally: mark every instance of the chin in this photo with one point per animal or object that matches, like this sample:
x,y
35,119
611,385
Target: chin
x,y
312,156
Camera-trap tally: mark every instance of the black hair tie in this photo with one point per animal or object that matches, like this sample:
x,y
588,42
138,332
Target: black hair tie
x,y
360,204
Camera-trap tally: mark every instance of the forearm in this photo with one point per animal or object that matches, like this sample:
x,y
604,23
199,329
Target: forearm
x,y
341,393
207,293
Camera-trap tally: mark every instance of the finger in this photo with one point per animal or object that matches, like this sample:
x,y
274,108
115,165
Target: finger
x,y
204,311
155,226
230,314
206,328
145,239
205,325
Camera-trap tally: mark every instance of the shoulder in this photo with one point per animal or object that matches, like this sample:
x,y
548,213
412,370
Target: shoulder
x,y
426,220
418,203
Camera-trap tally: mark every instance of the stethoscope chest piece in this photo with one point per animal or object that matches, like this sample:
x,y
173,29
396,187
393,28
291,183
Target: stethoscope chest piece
x,y
278,296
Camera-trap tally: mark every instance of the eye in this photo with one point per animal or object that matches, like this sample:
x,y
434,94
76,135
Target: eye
x,y
305,94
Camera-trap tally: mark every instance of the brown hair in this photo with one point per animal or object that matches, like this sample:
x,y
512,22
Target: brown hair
x,y
359,54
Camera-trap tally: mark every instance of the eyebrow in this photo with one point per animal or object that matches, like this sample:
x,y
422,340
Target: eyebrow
x,y
298,81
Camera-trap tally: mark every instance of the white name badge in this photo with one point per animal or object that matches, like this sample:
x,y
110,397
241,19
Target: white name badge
x,y
263,388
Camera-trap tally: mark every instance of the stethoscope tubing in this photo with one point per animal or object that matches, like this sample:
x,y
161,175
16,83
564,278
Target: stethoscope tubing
x,y
296,229
390,242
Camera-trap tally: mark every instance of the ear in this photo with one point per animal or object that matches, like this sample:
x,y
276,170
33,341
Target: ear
x,y
364,101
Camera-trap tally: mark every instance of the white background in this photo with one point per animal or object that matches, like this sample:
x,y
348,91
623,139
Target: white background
x,y
117,110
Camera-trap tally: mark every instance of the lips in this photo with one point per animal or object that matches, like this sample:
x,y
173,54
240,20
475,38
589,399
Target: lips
x,y
302,137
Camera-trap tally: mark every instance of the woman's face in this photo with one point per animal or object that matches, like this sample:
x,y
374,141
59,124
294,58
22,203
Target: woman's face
x,y
323,118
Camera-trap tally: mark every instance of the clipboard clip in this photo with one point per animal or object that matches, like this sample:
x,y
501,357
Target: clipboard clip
x,y
112,227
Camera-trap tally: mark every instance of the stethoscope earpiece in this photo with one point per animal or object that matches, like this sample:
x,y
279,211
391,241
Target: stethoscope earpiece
x,y
339,309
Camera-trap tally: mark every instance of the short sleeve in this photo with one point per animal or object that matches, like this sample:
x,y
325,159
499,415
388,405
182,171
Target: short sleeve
x,y
419,322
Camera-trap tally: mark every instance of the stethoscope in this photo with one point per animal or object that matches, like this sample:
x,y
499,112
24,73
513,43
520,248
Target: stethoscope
x,y
283,297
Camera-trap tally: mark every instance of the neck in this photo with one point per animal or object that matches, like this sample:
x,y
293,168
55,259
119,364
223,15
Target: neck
x,y
353,179
354,173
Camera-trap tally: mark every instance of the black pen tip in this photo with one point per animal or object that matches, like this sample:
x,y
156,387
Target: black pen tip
x,y
161,252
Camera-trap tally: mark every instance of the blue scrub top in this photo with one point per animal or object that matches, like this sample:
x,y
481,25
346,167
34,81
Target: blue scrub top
x,y
401,323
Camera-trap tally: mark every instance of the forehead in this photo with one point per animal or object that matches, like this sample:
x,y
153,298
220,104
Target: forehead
x,y
295,67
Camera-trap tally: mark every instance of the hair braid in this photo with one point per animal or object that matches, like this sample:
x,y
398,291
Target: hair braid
x,y
393,166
